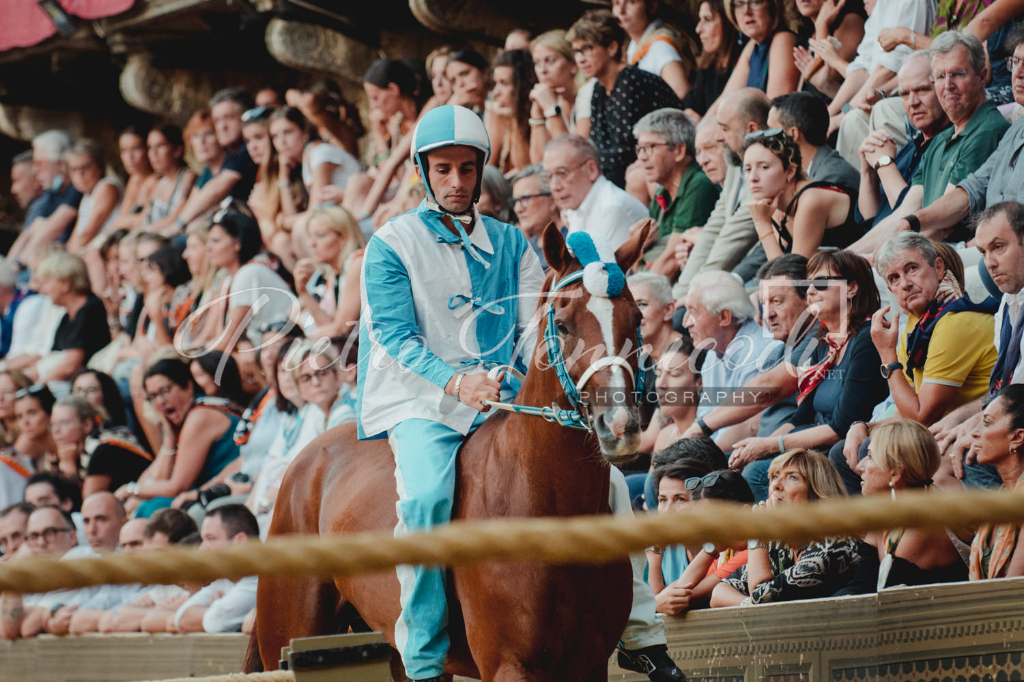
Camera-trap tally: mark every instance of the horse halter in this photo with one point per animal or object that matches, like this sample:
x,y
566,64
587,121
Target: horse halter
x,y
579,416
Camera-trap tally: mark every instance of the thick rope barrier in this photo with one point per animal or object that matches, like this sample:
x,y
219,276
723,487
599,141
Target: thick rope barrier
x,y
274,676
577,540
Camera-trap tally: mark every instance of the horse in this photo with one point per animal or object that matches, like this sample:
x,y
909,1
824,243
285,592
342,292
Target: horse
x,y
508,621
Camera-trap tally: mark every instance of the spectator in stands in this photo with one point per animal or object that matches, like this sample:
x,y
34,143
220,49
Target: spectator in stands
x,y
792,214
729,232
49,489
720,318
685,196
589,200
508,122
720,50
132,148
197,438
711,565
470,76
114,456
13,524
885,174
653,45
175,181
222,605
205,309
776,572
785,314
49,532
495,196
202,141
237,173
841,385
101,194
233,244
623,96
903,455
998,440
653,296
554,97
995,180
804,117
946,350
534,207
101,392
823,23
26,188
871,75
83,331
34,444
766,62
677,382
14,472
666,565
166,278
710,155
436,62
959,71
328,284
265,200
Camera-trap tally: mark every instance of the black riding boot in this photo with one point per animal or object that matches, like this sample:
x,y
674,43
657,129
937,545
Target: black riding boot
x,y
652,661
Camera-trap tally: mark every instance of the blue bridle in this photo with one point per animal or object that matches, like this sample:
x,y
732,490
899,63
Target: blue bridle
x,y
577,417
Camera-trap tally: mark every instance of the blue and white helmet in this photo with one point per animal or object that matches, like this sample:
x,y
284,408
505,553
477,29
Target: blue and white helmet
x,y
449,126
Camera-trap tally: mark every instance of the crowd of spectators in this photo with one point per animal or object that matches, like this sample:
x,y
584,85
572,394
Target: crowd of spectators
x,y
832,296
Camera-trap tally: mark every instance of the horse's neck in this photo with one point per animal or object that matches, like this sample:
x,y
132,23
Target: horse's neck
x,y
557,470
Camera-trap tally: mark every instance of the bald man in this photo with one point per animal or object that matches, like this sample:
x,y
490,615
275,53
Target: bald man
x,y
103,516
729,231
88,615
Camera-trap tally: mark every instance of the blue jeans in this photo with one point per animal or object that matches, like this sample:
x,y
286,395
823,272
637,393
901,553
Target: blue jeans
x,y
425,473
756,476
637,483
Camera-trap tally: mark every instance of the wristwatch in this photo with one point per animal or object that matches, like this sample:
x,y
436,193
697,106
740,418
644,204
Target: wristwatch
x,y
887,370
553,111
702,425
883,161
709,547
756,544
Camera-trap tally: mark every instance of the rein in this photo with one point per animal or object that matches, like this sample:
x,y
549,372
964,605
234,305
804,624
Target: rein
x,y
579,416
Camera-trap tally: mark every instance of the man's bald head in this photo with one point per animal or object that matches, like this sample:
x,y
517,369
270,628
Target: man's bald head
x,y
103,515
132,535
740,113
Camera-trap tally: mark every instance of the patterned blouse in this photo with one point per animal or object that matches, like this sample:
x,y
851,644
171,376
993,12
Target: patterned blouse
x,y
823,569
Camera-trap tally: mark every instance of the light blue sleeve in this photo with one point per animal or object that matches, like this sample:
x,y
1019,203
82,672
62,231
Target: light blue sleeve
x,y
391,316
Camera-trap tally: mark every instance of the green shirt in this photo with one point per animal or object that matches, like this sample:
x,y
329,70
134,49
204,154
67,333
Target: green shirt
x,y
951,158
695,199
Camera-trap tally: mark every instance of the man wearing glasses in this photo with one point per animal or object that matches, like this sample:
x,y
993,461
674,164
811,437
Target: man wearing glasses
x,y
588,200
959,72
532,202
50,532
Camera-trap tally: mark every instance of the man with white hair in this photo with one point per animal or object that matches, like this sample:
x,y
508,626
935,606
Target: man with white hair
x,y
61,198
589,201
720,318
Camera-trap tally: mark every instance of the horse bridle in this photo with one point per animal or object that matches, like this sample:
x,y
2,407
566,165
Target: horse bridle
x,y
579,416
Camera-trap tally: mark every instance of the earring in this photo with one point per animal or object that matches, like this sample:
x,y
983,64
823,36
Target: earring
x,y
892,490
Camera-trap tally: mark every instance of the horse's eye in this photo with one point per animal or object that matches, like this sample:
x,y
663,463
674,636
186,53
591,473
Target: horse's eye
x,y
560,327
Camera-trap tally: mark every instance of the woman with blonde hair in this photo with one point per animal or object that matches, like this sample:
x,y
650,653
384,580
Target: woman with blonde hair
x,y
557,108
777,572
903,455
328,286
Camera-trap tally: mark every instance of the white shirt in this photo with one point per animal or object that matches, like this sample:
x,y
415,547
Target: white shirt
x,y
34,326
582,105
659,55
607,211
227,602
259,287
1014,302
321,153
917,15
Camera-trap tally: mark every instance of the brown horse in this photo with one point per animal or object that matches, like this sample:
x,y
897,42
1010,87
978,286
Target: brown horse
x,y
507,621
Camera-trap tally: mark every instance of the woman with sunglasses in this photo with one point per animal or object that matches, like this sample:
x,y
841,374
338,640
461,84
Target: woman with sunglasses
x,y
195,438
903,455
776,572
840,382
792,214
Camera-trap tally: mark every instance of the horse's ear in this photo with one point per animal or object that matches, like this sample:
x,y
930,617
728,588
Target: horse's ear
x,y
629,253
555,252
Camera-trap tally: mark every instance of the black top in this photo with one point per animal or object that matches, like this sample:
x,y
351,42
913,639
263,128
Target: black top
x,y
240,162
612,117
805,30
904,572
88,331
121,464
709,83
838,237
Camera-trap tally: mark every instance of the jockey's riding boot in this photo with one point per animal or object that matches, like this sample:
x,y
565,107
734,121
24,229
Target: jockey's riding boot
x,y
652,661
436,678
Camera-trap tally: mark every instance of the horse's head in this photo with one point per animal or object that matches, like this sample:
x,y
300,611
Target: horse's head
x,y
596,334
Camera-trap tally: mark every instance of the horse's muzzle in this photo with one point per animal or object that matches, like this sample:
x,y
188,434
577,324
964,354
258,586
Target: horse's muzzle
x,y
618,432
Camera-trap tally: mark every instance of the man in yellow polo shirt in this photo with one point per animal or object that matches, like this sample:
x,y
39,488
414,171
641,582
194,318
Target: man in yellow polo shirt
x,y
947,346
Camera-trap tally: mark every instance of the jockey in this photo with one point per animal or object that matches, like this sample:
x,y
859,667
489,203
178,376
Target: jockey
x,y
440,300
446,293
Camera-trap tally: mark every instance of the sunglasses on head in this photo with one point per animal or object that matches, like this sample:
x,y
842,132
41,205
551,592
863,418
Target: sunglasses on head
x,y
762,134
708,481
33,390
256,113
